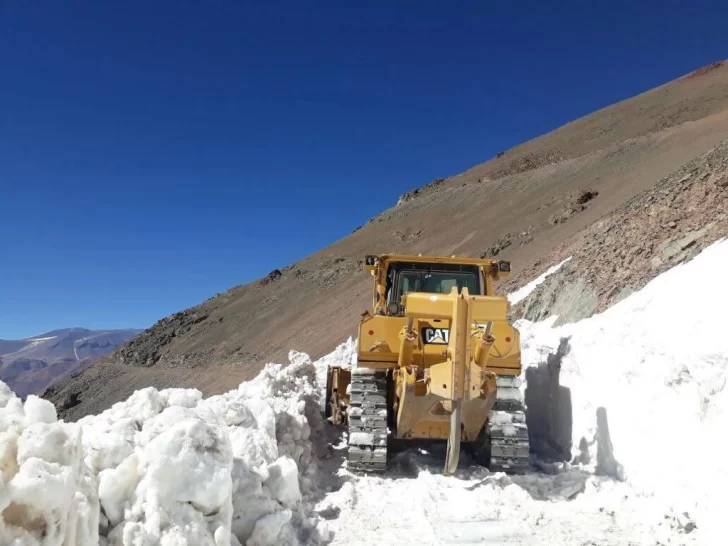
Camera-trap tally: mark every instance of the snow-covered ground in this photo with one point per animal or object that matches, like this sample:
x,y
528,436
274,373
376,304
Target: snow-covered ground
x,y
259,466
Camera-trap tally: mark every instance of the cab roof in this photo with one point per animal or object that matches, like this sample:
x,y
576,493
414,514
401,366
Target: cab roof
x,y
372,261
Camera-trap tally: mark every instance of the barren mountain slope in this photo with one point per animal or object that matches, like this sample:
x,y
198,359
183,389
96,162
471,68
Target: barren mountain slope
x,y
522,205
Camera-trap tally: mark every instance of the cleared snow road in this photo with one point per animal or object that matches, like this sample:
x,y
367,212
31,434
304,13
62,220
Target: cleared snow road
x,y
478,508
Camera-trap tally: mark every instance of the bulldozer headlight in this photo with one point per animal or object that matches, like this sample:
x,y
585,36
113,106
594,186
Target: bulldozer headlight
x,y
504,266
371,260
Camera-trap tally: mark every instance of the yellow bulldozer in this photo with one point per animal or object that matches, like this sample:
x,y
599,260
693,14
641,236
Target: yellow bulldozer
x,y
437,360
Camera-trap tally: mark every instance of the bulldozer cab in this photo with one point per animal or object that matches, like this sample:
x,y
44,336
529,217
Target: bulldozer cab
x,y
400,281
403,278
396,276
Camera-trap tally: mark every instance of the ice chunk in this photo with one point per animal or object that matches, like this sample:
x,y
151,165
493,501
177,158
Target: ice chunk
x,y
40,496
268,528
38,410
12,416
6,395
187,398
8,456
283,481
49,496
116,486
55,443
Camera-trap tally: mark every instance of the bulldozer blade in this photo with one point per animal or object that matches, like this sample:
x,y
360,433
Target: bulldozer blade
x,y
453,441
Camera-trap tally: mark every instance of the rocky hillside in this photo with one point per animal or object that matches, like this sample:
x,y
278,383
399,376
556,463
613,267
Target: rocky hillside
x,y
651,233
31,365
530,204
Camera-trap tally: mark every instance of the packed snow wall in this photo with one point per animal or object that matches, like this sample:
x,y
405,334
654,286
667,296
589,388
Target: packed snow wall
x,y
647,377
166,467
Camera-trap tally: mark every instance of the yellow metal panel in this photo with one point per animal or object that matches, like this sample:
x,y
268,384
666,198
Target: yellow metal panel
x,y
489,308
459,348
474,413
379,365
431,429
428,306
488,285
379,338
441,380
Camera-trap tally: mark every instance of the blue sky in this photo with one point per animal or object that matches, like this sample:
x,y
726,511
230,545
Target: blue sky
x,y
155,153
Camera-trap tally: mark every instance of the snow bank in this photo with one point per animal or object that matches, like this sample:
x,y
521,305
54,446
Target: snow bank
x,y
656,363
47,493
166,467
523,292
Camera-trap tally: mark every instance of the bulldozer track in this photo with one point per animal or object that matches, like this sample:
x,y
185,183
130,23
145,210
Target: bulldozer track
x,y
367,418
507,430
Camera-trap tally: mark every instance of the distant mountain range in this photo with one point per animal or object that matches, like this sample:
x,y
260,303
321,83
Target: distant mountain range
x,y
29,366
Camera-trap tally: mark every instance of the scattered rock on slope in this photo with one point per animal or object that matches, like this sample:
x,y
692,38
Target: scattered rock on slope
x,y
146,348
270,277
412,194
519,239
577,203
528,162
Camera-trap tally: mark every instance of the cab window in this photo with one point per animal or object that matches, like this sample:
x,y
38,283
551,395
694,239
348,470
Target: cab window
x,y
438,282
